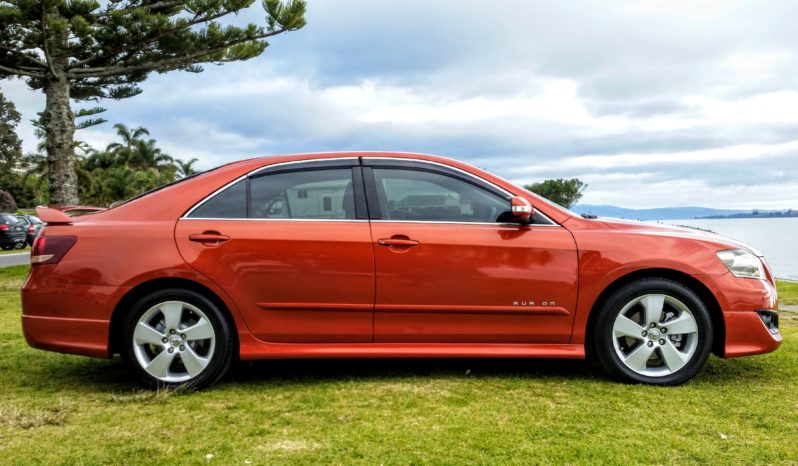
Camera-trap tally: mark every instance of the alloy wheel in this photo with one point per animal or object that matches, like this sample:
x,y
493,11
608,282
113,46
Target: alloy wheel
x,y
655,335
174,341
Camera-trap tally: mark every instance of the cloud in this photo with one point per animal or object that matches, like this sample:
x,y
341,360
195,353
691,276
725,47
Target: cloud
x,y
652,103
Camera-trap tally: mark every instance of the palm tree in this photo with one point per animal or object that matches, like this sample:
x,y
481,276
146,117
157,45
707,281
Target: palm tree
x,y
124,151
146,156
186,168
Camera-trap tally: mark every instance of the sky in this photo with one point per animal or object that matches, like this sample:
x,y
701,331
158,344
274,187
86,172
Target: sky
x,y
651,103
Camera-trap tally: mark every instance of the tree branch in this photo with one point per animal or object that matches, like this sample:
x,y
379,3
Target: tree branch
x,y
109,10
34,60
175,62
30,74
143,44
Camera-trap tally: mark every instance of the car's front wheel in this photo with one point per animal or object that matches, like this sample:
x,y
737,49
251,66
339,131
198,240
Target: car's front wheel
x,y
652,330
177,338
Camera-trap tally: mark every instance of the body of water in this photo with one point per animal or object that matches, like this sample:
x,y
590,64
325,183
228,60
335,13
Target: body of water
x,y
776,238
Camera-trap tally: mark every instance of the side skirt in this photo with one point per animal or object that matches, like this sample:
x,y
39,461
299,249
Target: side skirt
x,y
252,348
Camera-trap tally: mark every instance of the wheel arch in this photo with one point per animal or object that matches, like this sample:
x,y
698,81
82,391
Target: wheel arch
x,y
694,284
147,287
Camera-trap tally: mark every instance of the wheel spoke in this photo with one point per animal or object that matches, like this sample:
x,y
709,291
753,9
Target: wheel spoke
x,y
193,362
636,360
146,335
653,305
626,327
673,358
685,323
159,366
202,330
172,313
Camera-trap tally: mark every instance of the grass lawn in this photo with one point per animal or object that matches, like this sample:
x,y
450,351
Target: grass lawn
x,y
58,409
788,293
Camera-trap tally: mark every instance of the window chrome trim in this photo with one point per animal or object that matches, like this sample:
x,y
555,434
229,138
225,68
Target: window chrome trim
x,y
277,219
186,215
471,175
444,222
253,172
211,196
295,162
450,167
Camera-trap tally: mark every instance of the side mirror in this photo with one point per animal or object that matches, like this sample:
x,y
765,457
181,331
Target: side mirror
x,y
521,209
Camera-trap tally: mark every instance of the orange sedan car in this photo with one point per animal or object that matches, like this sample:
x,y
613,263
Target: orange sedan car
x,y
366,255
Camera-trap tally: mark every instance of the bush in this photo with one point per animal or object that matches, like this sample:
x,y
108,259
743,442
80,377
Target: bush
x,y
7,203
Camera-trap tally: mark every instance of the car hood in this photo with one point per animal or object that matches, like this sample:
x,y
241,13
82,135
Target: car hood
x,y
674,231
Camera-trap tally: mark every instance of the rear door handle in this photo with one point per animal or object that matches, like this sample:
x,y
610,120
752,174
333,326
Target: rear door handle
x,y
208,237
397,242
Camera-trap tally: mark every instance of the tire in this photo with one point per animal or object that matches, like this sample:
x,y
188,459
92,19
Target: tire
x,y
19,245
627,347
6,247
177,338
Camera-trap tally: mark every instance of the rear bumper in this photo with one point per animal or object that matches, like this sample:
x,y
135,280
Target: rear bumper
x,y
67,317
64,335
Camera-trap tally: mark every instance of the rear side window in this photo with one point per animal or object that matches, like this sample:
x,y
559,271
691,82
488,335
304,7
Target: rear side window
x,y
230,203
325,194
311,194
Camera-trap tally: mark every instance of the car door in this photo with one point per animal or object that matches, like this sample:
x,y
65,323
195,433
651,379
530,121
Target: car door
x,y
291,245
451,267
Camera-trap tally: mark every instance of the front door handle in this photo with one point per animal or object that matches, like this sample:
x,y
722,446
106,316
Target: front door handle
x,y
208,237
406,242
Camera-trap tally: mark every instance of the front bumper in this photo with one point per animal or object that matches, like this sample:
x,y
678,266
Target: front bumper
x,y
743,301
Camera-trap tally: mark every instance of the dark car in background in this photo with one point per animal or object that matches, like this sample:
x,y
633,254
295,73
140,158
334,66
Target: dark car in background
x,y
12,232
32,225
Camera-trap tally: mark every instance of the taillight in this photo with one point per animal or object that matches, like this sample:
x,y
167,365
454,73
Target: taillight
x,y
50,249
3,227
31,228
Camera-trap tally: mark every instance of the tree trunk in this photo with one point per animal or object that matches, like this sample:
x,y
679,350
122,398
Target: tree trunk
x,y
59,125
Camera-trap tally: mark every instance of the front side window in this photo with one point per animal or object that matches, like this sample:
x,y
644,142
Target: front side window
x,y
426,196
312,195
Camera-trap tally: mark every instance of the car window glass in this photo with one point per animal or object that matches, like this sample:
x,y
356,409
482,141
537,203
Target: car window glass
x,y
426,196
230,203
311,194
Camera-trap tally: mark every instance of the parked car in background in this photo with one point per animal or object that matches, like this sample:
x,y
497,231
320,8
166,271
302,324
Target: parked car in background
x,y
369,255
12,232
32,226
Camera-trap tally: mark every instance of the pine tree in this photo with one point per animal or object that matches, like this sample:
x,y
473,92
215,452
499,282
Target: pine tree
x,y
10,150
87,50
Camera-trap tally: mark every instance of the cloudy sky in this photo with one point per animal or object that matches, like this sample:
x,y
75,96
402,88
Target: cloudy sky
x,y
652,103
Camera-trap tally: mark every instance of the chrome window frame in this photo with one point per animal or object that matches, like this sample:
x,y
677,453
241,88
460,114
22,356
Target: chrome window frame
x,y
186,215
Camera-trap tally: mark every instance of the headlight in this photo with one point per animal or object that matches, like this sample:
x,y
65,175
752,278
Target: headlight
x,y
742,263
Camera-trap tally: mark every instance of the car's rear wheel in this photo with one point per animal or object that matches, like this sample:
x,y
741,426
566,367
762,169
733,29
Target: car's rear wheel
x,y
652,330
177,338
6,247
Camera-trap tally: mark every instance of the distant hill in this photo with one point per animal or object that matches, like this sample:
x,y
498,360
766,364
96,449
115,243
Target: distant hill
x,y
661,213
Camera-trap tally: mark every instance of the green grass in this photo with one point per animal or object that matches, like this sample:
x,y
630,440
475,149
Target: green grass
x,y
58,409
788,293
